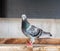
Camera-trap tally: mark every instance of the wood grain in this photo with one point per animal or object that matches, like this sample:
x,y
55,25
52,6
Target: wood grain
x,y
47,41
24,48
26,40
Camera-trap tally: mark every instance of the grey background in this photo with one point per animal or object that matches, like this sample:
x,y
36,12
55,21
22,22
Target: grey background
x,y
32,8
0,7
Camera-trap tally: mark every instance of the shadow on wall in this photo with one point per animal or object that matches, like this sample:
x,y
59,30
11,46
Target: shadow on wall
x,y
0,7
3,6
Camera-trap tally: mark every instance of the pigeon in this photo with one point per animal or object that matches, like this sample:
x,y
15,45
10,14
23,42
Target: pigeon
x,y
31,31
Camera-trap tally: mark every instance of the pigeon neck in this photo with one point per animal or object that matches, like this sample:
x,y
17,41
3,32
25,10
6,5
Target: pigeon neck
x,y
25,24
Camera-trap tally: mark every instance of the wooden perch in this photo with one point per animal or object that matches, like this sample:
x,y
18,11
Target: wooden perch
x,y
26,40
47,41
14,40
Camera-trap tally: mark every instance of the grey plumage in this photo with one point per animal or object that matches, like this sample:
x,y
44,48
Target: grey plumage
x,y
31,31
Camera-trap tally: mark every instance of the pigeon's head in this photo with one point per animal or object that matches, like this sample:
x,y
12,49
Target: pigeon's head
x,y
24,17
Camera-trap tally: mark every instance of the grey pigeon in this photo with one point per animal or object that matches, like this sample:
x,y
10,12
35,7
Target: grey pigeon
x,y
31,31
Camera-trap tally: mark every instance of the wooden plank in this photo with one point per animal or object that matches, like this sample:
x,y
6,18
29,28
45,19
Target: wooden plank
x,y
25,48
26,40
15,48
47,41
13,40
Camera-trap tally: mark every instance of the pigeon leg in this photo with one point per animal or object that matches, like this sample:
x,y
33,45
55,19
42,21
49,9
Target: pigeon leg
x,y
29,43
47,33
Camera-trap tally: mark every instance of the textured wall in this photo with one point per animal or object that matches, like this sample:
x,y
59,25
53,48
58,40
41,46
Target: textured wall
x,y
33,8
12,27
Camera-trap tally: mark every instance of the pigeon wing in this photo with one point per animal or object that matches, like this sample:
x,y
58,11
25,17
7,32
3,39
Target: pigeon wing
x,y
33,31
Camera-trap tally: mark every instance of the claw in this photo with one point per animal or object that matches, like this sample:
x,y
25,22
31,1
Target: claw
x,y
29,43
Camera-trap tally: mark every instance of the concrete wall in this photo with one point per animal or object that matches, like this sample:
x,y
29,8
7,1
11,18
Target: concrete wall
x,y
33,8
12,27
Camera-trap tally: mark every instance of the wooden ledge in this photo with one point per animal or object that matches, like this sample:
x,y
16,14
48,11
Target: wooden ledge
x,y
47,41
25,40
